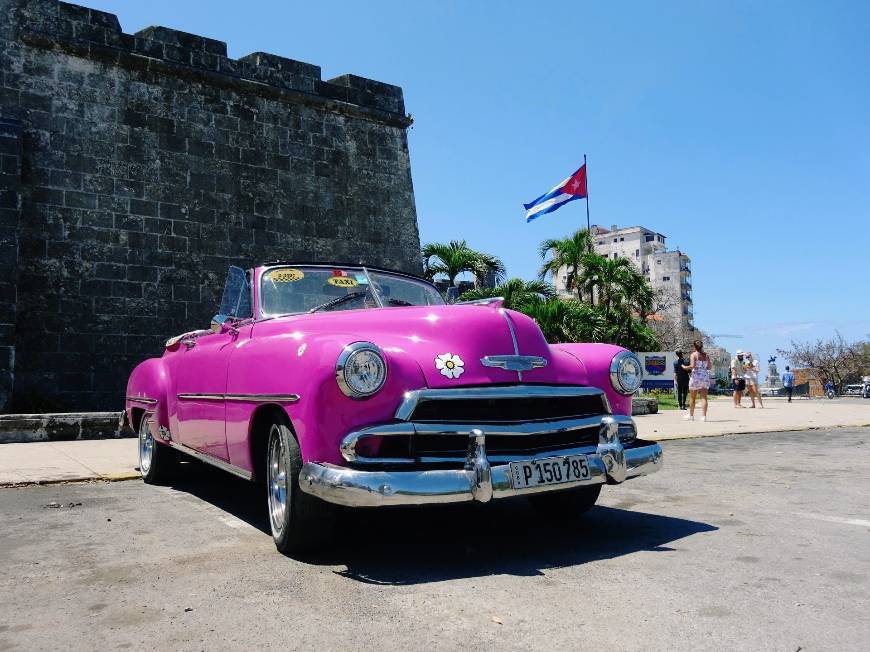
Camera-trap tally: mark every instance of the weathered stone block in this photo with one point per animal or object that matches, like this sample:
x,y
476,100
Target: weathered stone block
x,y
153,161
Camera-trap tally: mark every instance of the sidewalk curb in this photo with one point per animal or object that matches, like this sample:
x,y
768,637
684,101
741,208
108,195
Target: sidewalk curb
x,y
62,426
111,477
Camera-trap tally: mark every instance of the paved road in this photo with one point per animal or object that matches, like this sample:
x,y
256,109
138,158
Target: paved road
x,y
741,542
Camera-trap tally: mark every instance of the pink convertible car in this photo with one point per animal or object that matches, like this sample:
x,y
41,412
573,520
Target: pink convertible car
x,y
346,385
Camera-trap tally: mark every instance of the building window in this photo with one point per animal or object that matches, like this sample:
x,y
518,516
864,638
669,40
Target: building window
x,y
648,238
658,262
622,239
666,278
601,242
614,239
637,253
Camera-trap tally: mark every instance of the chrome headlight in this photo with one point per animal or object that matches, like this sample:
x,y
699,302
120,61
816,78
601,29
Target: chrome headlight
x,y
361,370
626,372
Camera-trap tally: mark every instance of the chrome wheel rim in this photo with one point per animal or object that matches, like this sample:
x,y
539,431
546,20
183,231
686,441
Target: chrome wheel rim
x,y
277,484
146,447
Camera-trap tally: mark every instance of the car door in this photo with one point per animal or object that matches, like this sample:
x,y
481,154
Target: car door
x,y
201,385
201,372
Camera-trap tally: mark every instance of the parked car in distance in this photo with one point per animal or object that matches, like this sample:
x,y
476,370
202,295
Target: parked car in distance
x,y
346,385
855,389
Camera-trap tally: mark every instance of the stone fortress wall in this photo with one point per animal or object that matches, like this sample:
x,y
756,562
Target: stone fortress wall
x,y
134,168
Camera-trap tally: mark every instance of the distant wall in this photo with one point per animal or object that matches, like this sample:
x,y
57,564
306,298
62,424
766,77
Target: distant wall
x,y
137,167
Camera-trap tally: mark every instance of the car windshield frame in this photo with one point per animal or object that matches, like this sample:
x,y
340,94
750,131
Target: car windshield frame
x,y
381,300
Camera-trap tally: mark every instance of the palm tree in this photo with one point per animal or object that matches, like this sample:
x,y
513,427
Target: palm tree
x,y
456,257
566,253
515,292
614,281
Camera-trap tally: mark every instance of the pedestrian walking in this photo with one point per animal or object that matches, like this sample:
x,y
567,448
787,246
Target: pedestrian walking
x,y
681,379
700,368
738,378
750,366
788,382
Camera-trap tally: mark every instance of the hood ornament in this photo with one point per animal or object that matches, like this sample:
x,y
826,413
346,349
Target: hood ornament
x,y
514,362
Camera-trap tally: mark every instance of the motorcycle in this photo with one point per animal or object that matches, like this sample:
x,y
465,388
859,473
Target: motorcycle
x,y
829,390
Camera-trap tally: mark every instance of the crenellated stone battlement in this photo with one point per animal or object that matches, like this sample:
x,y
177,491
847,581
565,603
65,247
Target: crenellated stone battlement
x,y
98,35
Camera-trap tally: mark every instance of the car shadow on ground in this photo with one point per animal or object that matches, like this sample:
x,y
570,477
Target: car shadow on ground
x,y
411,546
405,546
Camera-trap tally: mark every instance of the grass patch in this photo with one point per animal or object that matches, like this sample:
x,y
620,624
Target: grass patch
x,y
667,402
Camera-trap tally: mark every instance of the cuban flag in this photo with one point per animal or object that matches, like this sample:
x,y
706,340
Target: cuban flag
x,y
574,187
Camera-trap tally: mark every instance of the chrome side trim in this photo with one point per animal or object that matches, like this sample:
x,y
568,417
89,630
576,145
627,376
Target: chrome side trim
x,y
253,398
214,461
514,362
142,399
412,398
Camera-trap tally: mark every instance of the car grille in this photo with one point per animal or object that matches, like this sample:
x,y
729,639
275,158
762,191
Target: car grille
x,y
425,446
504,410
433,425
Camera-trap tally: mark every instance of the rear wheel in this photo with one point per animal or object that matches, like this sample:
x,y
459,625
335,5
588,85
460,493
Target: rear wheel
x,y
573,501
157,462
300,522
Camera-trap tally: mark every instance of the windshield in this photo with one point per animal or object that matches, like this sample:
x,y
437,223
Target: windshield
x,y
293,290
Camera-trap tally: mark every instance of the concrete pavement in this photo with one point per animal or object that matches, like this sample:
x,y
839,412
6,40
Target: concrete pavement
x,y
116,459
778,415
68,461
738,543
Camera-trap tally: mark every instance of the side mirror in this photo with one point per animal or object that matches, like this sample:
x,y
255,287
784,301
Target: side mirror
x,y
221,323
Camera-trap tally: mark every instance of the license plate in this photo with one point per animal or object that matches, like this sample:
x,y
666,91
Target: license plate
x,y
549,470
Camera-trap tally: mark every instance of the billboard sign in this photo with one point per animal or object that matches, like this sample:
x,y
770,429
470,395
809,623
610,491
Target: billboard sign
x,y
658,369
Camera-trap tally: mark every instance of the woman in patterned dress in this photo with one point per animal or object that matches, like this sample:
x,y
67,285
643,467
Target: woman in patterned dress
x,y
700,368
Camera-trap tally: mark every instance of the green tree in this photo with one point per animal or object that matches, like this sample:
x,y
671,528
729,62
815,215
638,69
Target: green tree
x,y
570,253
515,292
456,257
616,284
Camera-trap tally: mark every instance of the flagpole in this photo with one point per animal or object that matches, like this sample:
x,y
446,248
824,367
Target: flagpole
x,y
588,226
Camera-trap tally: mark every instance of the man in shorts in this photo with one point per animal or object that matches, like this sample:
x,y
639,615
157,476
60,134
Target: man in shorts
x,y
738,380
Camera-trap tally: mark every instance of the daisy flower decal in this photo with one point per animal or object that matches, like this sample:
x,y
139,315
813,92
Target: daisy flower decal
x,y
450,365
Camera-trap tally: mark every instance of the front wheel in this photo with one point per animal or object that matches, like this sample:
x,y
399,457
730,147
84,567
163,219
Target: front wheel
x,y
570,502
299,522
157,462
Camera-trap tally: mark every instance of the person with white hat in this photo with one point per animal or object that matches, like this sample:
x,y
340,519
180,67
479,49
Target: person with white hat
x,y
738,377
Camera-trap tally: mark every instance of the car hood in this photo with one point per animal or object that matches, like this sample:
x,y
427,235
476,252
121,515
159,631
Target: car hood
x,y
446,342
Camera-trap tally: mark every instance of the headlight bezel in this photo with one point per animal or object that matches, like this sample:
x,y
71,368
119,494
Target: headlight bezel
x,y
616,376
341,366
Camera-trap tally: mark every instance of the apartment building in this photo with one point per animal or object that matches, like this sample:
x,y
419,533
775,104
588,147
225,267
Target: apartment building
x,y
668,271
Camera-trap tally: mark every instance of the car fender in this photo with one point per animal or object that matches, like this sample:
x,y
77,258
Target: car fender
x,y
596,359
147,391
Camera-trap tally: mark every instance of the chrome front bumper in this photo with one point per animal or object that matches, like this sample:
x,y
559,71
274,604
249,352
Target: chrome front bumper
x,y
610,463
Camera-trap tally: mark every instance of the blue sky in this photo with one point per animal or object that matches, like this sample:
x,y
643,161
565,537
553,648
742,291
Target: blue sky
x,y
740,130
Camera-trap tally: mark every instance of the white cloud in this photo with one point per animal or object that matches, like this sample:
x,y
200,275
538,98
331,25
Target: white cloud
x,y
787,329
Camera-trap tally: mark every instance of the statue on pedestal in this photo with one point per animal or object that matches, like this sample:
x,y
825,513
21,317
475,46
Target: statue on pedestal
x,y
773,379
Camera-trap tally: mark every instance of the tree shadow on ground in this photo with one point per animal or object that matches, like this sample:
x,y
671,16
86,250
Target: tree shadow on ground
x,y
406,546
